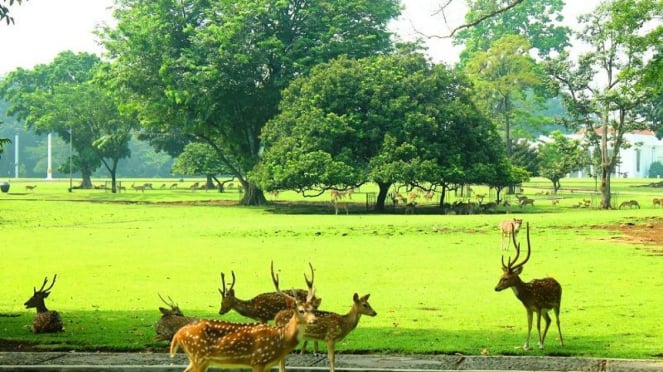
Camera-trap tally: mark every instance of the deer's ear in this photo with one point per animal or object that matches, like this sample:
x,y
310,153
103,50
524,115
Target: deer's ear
x,y
518,270
46,294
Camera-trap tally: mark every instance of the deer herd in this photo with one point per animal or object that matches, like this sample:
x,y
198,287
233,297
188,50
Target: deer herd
x,y
296,317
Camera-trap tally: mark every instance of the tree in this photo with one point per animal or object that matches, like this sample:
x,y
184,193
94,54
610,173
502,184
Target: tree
x,y
64,98
538,22
4,10
213,72
561,156
386,119
603,89
200,159
502,76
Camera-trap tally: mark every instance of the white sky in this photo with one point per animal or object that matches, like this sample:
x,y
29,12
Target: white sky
x,y
44,28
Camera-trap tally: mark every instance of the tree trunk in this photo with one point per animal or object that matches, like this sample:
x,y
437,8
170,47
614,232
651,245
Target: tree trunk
x,y
86,176
253,196
382,196
605,164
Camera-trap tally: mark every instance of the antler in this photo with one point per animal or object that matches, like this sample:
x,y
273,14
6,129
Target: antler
x,y
309,283
172,303
512,265
275,277
223,283
44,284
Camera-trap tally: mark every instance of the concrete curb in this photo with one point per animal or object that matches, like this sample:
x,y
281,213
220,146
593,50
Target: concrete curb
x,y
77,361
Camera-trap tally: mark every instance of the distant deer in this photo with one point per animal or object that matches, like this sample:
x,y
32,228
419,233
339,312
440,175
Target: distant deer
x,y
331,327
45,321
509,228
526,201
538,296
138,188
630,204
171,320
262,307
30,187
195,186
224,344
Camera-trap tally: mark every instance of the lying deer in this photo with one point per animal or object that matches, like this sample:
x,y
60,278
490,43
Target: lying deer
x,y
331,327
509,228
262,307
538,296
45,321
30,187
224,344
171,320
630,204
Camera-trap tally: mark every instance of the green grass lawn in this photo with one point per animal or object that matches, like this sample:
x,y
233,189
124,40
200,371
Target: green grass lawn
x,y
431,277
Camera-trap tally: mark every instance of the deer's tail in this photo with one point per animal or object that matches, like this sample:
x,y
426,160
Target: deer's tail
x,y
174,345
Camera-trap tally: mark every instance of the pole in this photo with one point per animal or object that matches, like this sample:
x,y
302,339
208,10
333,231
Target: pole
x,y
16,156
49,170
71,134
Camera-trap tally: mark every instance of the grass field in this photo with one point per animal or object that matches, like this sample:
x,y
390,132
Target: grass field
x,y
431,277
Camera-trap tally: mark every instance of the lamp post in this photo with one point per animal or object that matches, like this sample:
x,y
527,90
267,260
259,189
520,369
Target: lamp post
x,y
71,136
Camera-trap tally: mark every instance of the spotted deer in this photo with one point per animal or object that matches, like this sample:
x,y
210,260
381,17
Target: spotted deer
x,y
171,320
509,228
262,307
538,296
330,327
256,345
45,321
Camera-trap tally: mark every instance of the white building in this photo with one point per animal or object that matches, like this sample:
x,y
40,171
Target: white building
x,y
634,162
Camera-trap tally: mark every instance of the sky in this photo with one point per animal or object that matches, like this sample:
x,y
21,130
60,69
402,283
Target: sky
x,y
44,28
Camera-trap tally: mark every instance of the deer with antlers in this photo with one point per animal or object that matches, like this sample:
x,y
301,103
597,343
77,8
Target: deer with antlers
x,y
538,296
330,327
509,228
45,321
257,345
171,320
265,306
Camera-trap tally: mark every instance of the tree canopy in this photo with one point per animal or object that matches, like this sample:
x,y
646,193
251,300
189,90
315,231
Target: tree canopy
x,y
64,97
213,72
386,119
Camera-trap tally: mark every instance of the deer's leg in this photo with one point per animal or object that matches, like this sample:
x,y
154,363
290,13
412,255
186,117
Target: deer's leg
x,y
303,347
258,368
331,355
315,347
546,317
559,329
529,329
282,365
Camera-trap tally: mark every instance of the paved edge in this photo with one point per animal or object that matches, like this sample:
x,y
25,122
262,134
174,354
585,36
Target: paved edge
x,y
77,361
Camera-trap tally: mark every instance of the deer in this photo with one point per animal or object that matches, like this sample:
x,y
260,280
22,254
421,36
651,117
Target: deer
x,y
525,201
171,320
30,187
538,296
630,204
509,228
194,186
330,327
138,188
256,345
45,321
262,307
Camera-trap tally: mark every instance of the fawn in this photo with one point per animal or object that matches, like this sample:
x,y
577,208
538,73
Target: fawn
x,y
45,321
257,345
538,296
171,320
331,327
509,228
265,306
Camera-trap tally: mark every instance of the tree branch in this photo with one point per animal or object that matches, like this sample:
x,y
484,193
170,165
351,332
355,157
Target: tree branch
x,y
452,32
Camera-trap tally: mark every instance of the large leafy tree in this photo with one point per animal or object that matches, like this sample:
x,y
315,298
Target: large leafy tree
x,y
503,75
603,88
199,159
561,156
537,21
64,97
213,72
387,119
